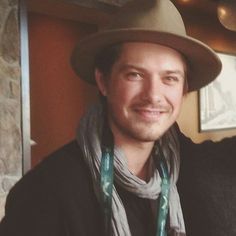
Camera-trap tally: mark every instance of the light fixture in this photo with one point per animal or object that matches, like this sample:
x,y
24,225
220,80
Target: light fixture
x,y
226,11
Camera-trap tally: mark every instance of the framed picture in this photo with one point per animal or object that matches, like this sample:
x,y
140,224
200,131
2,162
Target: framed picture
x,y
217,100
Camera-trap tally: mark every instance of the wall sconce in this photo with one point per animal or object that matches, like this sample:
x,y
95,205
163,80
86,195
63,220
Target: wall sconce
x,y
226,11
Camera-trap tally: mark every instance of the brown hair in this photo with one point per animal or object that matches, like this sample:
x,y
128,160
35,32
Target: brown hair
x,y
106,58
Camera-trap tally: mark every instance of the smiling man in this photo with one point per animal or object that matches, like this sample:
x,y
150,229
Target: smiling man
x,y
119,176
144,90
144,94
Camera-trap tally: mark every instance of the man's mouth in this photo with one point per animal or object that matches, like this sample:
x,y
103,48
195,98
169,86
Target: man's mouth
x,y
150,114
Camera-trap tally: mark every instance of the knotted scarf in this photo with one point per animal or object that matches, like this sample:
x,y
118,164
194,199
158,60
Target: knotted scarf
x,y
89,138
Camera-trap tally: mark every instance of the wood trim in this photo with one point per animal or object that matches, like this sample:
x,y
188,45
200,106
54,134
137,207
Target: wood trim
x,y
25,88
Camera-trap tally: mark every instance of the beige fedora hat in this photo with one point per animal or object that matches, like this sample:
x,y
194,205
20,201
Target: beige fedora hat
x,y
154,21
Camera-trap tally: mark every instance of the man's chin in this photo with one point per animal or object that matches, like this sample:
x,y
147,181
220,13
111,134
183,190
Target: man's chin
x,y
148,136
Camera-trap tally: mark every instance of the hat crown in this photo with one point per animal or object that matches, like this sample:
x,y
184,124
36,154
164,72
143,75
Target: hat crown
x,y
153,15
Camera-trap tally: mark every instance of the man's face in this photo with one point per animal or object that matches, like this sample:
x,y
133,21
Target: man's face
x,y
144,91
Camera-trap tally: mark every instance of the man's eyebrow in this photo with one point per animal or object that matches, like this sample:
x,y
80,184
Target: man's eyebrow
x,y
178,72
125,66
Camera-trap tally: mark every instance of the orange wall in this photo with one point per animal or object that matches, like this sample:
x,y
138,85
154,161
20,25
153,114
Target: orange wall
x,y
58,97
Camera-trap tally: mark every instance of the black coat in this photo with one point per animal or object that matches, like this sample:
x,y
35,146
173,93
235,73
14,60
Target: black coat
x,y
207,187
56,198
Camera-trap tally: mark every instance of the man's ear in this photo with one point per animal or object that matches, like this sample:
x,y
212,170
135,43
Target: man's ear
x,y
101,83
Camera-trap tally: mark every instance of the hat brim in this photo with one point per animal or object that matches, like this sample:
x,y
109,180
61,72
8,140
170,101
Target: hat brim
x,y
203,63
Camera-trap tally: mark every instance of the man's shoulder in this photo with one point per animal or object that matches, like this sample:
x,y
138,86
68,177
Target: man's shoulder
x,y
56,170
64,157
58,190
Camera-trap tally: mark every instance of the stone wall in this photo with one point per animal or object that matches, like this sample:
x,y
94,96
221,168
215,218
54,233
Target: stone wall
x,y
10,105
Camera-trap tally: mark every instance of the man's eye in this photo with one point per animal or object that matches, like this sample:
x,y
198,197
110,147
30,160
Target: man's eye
x,y
171,79
134,76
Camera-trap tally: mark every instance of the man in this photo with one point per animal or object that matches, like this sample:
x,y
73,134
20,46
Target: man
x,y
143,64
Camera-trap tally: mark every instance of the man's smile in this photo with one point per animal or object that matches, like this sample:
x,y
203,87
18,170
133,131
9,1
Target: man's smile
x,y
150,114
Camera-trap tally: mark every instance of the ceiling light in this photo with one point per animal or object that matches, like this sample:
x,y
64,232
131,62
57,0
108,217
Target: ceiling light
x,y
226,11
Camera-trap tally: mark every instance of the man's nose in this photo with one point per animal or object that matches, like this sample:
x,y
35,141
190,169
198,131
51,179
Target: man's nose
x,y
153,90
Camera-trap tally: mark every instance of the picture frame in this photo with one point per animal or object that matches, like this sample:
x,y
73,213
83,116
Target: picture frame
x,y
217,101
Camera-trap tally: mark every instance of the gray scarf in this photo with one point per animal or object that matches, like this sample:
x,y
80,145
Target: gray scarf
x,y
89,139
